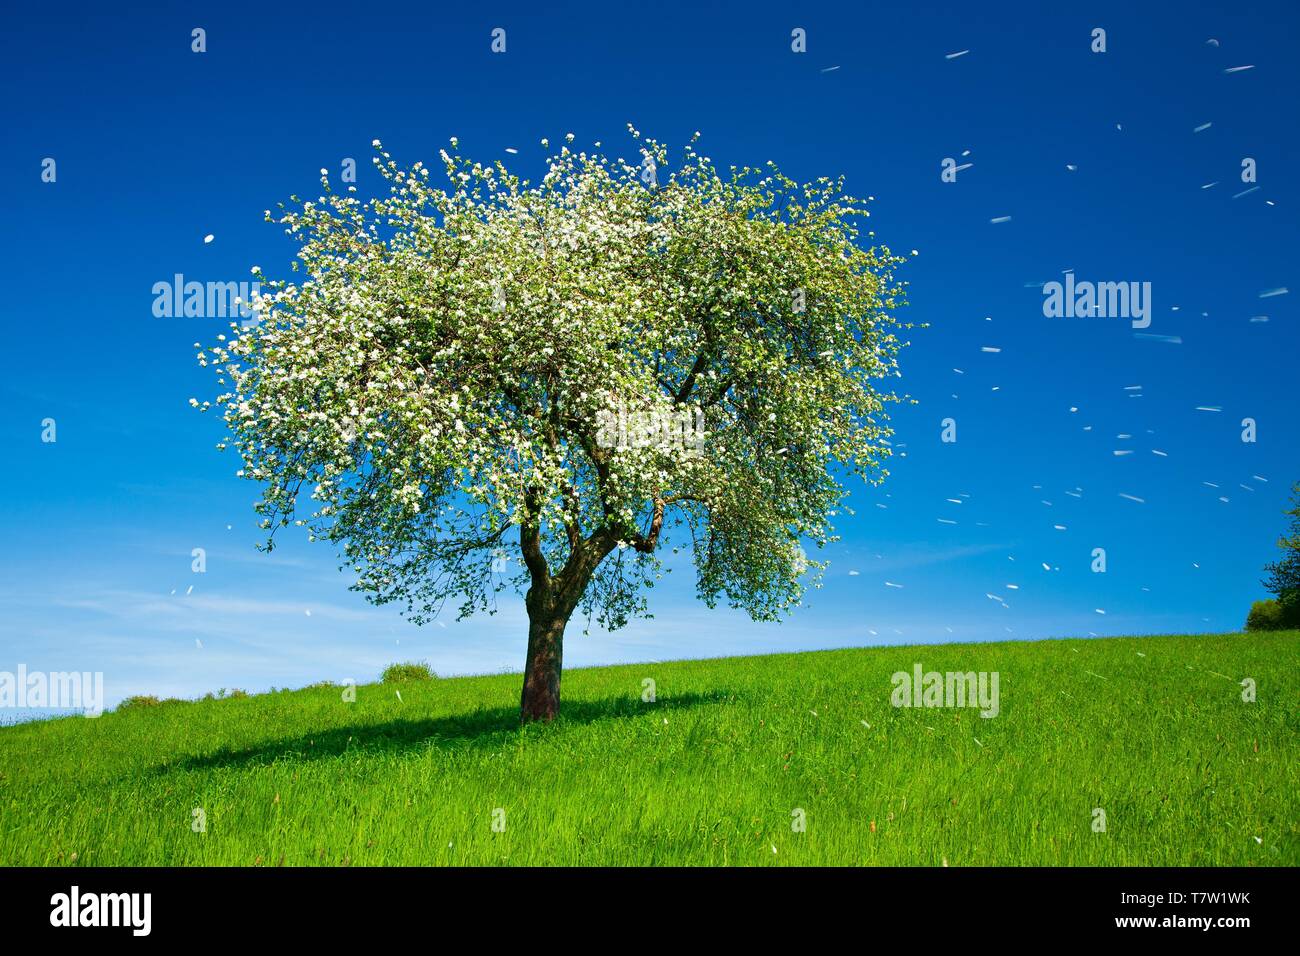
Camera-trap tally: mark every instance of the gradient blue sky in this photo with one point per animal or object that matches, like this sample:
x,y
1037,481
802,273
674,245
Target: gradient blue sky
x,y
158,147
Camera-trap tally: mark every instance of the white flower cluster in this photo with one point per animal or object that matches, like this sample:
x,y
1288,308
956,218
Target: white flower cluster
x,y
437,375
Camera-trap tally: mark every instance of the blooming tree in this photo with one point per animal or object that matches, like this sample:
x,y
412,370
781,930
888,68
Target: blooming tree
x,y
438,384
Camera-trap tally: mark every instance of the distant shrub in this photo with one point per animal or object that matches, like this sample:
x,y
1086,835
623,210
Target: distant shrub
x,y
1272,615
139,700
405,673
224,694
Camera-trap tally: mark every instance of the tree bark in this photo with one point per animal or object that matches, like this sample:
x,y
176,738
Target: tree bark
x,y
540,699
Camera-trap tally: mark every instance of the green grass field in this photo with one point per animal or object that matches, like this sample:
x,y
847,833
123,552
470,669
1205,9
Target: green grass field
x,y
1154,731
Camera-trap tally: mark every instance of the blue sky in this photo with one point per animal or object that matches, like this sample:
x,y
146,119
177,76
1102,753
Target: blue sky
x,y
158,147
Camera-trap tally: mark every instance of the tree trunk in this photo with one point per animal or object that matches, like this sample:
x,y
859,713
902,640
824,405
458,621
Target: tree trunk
x,y
541,695
550,602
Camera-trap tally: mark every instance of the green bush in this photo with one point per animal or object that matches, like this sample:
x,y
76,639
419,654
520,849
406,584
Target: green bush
x,y
224,694
1271,615
137,701
405,673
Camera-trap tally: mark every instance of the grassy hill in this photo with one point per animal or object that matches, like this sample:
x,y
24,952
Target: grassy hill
x,y
1151,730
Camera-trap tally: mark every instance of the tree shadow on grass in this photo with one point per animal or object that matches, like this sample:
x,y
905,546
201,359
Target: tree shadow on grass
x,y
483,728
